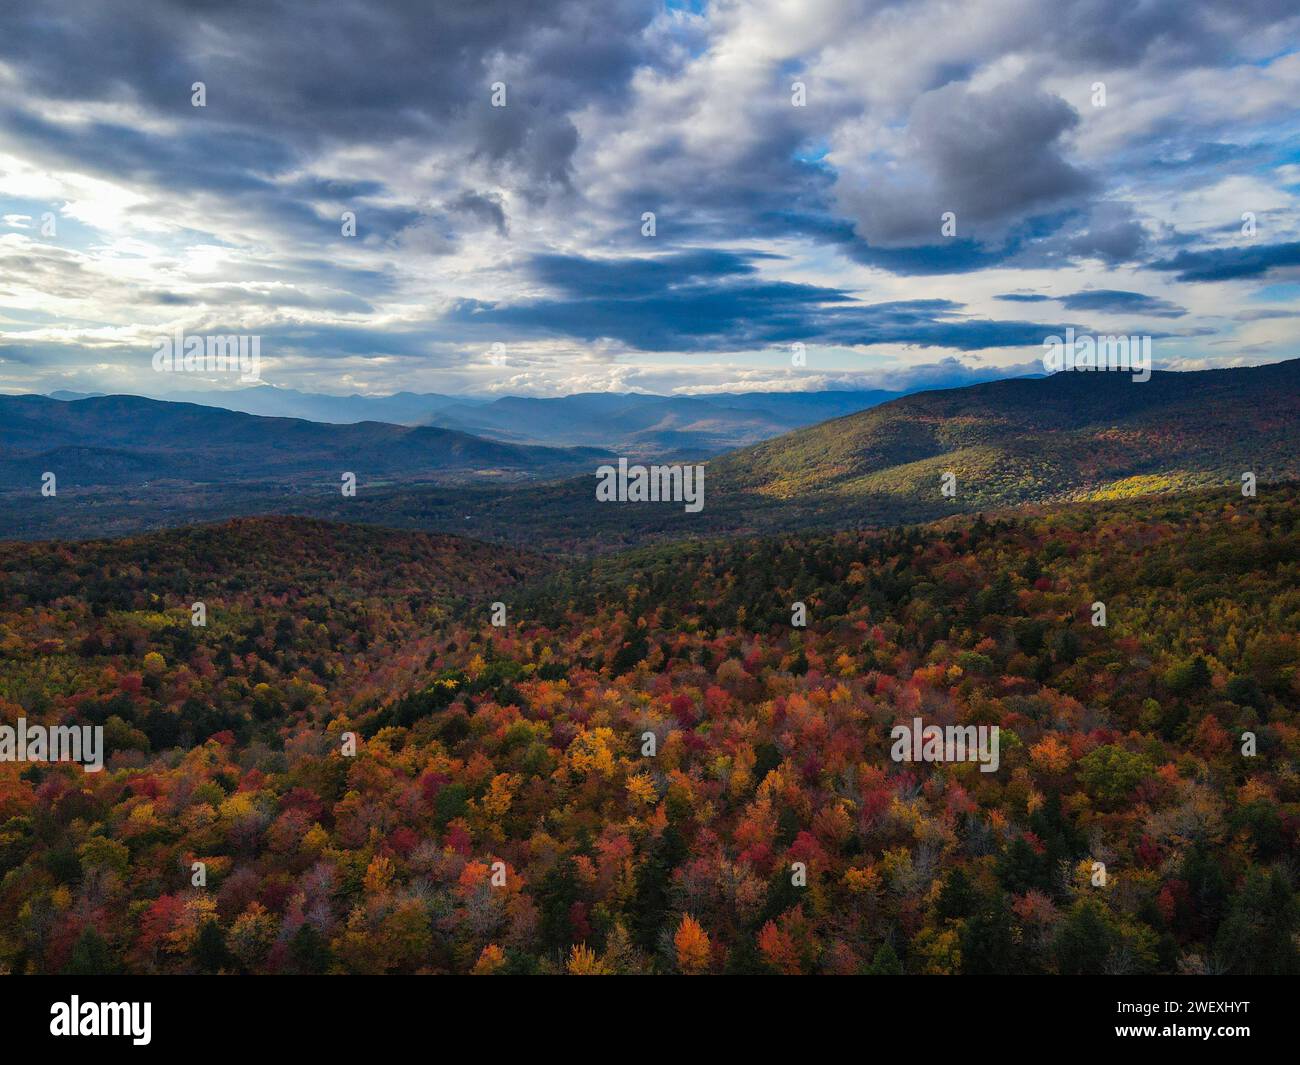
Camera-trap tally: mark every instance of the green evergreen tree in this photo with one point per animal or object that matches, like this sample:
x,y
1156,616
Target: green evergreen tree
x,y
885,963
90,956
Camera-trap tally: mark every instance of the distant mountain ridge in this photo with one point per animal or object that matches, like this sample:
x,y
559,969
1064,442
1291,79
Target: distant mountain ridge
x,y
269,401
647,425
633,423
128,439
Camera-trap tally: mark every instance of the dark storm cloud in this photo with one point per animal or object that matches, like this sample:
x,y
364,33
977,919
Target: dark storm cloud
x,y
1115,301
998,158
576,276
951,256
353,72
1177,34
954,257
1230,264
1110,231
485,207
1106,230
715,301
221,158
287,80
992,159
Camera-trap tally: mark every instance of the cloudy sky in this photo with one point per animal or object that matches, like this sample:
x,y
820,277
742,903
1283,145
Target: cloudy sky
x,y
799,159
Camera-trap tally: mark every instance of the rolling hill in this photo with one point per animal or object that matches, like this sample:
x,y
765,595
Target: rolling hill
x,y
120,440
1072,435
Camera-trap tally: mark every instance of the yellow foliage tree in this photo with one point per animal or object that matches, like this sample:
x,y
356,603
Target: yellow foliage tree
x,y
490,961
641,789
379,875
692,944
583,962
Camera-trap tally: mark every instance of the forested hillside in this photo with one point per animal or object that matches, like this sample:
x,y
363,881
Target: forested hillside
x,y
500,812
1080,435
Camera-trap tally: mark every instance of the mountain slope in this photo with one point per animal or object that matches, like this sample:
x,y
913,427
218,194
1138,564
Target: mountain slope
x,y
125,439
1069,435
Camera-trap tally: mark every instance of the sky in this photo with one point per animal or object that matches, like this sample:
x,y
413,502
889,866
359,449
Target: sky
x,y
845,193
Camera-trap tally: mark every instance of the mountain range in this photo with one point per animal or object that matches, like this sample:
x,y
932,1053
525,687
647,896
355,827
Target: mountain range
x,y
633,423
1005,443
655,426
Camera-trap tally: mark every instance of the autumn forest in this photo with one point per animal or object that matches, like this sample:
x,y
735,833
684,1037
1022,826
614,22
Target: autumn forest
x,y
397,752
